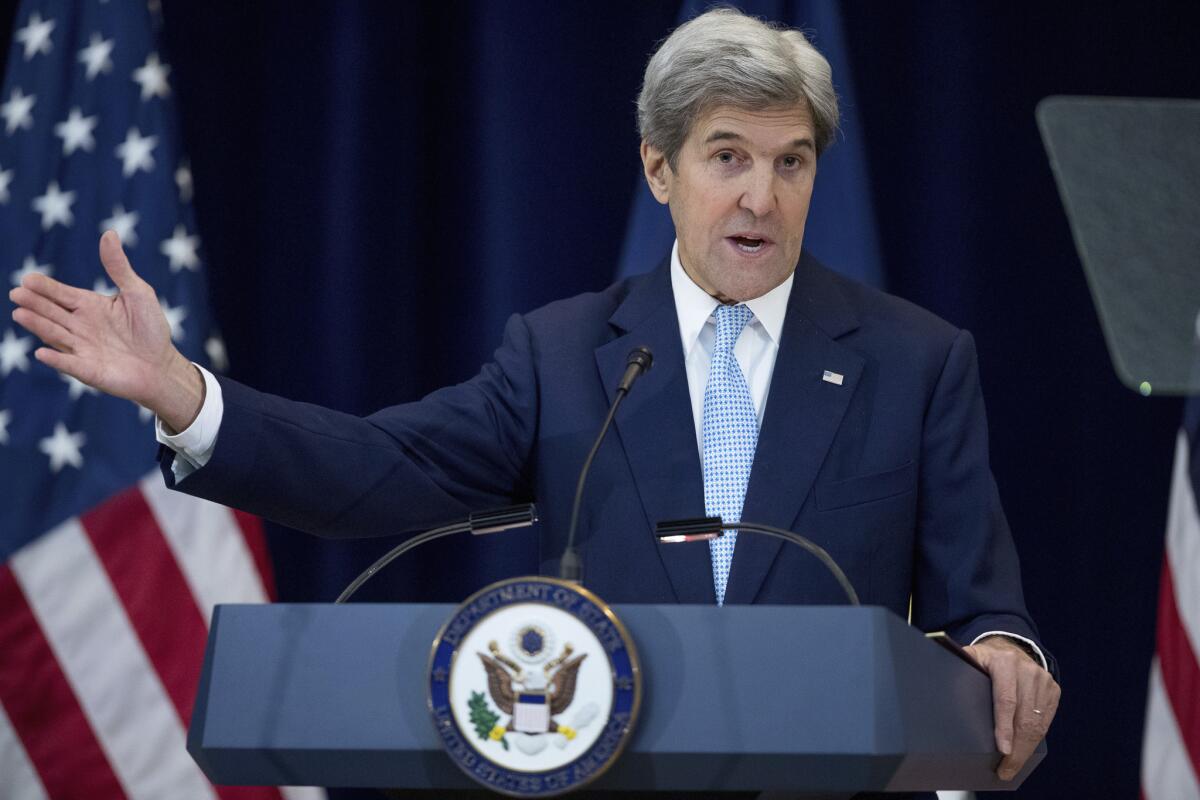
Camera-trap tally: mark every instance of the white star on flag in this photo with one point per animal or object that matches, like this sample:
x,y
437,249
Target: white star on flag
x,y
54,206
14,353
214,348
29,266
135,152
183,180
152,77
6,176
16,111
75,387
36,35
97,56
123,222
181,250
63,447
175,317
76,132
5,418
103,287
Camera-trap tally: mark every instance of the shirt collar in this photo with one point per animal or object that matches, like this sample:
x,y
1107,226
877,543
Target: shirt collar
x,y
694,305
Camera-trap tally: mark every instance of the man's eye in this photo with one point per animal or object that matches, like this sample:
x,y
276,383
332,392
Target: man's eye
x,y
791,162
725,157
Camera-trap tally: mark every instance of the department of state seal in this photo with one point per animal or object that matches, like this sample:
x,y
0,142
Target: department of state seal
x,y
534,686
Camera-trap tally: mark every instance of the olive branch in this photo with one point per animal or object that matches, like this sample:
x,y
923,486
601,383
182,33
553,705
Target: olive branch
x,y
483,718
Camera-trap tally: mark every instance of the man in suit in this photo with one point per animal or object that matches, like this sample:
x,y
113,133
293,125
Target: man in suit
x,y
874,441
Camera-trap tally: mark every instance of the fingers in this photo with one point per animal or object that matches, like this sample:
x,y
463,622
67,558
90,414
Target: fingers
x,y
1048,696
63,362
1024,701
45,329
1004,699
1027,725
66,296
40,305
112,256
80,368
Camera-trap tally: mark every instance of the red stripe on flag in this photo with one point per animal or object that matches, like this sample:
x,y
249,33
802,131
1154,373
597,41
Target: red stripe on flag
x,y
153,590
158,601
1180,667
256,540
43,708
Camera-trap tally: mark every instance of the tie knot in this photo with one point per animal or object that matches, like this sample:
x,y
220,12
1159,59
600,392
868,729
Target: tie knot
x,y
730,322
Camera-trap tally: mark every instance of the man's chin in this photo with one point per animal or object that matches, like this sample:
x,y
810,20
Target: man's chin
x,y
740,286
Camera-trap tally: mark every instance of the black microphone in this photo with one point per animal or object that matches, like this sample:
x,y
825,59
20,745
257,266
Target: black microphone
x,y
639,360
702,529
478,523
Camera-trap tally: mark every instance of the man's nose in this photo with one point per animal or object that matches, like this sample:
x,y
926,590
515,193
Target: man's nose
x,y
758,194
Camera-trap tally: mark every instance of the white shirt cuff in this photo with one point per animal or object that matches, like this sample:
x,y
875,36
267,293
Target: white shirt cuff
x,y
1031,644
194,444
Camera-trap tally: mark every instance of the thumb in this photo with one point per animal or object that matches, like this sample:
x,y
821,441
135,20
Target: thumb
x,y
112,256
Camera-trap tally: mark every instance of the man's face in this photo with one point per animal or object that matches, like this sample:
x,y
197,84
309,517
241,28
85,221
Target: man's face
x,y
739,196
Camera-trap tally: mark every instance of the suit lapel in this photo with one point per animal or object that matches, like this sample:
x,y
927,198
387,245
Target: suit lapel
x,y
802,417
655,427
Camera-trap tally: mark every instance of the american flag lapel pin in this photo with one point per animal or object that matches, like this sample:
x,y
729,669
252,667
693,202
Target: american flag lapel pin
x,y
835,378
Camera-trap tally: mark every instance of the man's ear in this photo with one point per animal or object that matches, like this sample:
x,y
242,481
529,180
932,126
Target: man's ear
x,y
657,170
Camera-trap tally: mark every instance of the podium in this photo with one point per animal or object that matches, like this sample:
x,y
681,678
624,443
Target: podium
x,y
799,699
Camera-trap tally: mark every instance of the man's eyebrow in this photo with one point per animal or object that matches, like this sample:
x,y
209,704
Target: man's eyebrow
x,y
717,136
730,136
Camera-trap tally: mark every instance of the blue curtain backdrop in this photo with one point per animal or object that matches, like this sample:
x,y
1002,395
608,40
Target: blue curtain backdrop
x,y
379,186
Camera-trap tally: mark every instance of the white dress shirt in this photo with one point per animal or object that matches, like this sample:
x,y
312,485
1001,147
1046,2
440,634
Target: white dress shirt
x,y
194,444
755,349
755,352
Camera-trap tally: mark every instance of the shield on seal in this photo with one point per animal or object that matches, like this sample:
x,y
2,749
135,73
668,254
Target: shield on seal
x,y
531,712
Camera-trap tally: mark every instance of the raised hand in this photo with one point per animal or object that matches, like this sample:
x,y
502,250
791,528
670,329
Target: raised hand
x,y
121,345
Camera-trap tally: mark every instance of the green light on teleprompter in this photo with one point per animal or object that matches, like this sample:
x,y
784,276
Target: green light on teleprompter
x,y
1145,388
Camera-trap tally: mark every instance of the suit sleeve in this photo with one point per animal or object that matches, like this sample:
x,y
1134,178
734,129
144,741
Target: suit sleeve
x,y
968,579
460,449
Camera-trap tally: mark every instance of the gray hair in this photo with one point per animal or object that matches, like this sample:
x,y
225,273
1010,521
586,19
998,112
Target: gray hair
x,y
724,57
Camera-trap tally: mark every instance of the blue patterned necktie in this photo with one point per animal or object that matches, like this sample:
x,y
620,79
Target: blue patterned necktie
x,y
730,434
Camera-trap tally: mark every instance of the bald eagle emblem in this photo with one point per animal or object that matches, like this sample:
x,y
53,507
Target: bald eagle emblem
x,y
534,686
530,695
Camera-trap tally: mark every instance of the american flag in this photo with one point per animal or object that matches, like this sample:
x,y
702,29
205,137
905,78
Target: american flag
x,y
1171,743
107,580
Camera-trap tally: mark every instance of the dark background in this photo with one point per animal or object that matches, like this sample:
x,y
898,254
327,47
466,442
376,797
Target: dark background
x,y
379,185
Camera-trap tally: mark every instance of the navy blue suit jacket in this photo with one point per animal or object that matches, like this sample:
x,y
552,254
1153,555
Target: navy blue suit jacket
x,y
888,471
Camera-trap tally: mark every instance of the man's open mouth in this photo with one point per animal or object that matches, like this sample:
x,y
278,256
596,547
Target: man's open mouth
x,y
748,244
